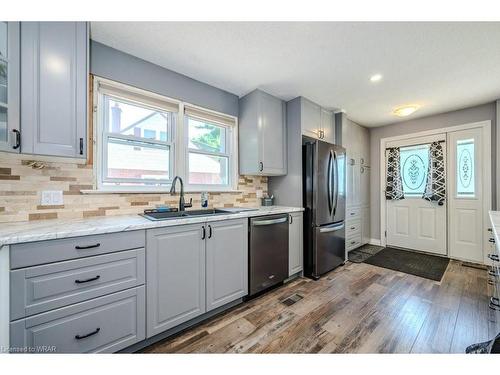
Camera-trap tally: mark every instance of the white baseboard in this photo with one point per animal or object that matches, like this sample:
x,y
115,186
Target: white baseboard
x,y
374,241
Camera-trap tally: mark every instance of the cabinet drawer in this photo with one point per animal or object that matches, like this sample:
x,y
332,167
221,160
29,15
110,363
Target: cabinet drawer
x,y
36,253
353,241
352,226
353,213
42,288
102,325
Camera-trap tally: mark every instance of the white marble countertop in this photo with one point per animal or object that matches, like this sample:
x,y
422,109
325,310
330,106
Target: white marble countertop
x,y
20,232
495,224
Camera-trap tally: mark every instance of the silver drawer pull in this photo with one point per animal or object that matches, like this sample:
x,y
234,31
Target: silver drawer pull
x,y
492,240
88,280
493,257
493,273
78,337
493,307
352,228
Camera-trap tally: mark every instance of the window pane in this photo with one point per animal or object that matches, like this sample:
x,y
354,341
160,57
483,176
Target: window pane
x,y
133,160
206,136
465,168
207,169
3,82
3,124
414,165
130,119
3,40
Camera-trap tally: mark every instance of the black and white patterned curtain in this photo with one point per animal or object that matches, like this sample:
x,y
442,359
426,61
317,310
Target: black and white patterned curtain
x,y
435,188
394,182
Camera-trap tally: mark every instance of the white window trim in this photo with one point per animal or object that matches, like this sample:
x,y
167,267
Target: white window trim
x,y
178,143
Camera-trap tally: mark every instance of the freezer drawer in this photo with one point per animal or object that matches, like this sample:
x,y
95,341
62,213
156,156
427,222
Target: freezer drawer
x,y
329,248
102,325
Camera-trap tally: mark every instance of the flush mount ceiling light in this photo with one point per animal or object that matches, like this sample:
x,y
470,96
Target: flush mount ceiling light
x,y
405,110
376,77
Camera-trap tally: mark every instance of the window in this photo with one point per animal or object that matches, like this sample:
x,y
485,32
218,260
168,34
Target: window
x,y
209,144
414,164
133,151
140,145
465,168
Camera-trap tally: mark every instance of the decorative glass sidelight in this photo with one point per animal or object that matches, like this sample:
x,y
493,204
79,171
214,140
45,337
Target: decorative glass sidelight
x,y
414,162
465,168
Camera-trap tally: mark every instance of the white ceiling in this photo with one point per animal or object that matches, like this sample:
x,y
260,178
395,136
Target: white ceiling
x,y
441,66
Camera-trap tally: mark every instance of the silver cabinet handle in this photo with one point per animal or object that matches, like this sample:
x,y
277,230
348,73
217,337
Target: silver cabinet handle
x,y
269,222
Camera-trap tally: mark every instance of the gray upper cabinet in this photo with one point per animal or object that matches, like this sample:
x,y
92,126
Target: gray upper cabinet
x,y
327,126
175,274
54,67
227,262
310,118
9,86
262,135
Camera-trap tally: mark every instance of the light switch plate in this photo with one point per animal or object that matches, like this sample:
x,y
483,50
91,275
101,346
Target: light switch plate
x,y
52,198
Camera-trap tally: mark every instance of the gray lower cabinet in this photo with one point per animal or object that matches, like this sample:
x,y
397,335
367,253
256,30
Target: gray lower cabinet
x,y
227,262
295,243
54,75
42,288
175,269
102,325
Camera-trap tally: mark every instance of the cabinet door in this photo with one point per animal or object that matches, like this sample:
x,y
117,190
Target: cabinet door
x,y
272,135
295,243
310,118
54,88
175,274
350,181
365,225
328,126
9,86
227,262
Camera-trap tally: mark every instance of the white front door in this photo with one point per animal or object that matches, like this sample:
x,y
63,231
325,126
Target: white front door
x,y
465,171
413,222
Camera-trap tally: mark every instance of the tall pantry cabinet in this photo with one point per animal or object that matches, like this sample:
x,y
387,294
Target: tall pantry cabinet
x,y
356,140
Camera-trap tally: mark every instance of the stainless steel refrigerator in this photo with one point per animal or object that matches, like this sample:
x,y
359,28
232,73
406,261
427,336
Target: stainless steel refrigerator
x,y
324,189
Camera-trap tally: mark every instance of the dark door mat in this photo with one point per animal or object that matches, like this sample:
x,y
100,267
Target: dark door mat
x,y
423,265
363,253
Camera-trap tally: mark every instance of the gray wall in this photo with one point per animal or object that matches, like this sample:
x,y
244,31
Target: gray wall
x,y
460,117
119,66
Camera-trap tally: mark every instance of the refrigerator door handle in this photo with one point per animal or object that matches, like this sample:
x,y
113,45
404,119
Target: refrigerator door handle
x,y
329,183
332,228
336,182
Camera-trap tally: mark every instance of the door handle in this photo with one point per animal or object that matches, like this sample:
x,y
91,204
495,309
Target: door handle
x,y
331,229
209,231
329,183
261,166
336,182
203,232
18,139
291,219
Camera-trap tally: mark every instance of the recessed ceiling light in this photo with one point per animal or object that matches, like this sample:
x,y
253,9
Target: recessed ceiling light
x,y
405,110
376,77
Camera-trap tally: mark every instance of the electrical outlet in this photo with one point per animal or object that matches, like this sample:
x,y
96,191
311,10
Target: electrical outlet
x,y
52,198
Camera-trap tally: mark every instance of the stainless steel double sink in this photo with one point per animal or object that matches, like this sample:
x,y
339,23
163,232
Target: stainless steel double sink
x,y
155,216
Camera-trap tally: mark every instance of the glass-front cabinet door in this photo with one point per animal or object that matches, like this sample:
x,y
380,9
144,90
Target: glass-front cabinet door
x,y
9,86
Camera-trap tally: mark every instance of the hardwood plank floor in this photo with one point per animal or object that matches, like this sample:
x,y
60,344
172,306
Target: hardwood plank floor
x,y
358,308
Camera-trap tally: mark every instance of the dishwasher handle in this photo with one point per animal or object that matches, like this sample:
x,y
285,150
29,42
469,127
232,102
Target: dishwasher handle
x,y
257,223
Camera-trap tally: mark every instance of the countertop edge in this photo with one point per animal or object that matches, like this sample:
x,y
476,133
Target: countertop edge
x,y
116,224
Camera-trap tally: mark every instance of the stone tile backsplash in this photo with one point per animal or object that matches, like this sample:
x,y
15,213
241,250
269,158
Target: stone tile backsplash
x,y
22,180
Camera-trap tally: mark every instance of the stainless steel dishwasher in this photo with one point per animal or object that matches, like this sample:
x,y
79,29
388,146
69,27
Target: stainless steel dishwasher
x,y
268,255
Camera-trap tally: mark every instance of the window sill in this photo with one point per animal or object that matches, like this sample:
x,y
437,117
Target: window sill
x,y
125,191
